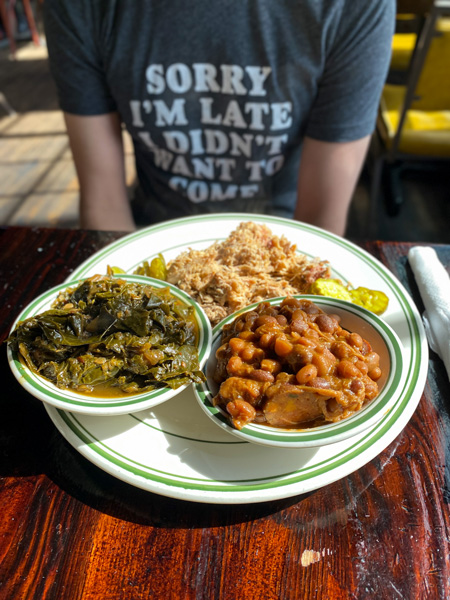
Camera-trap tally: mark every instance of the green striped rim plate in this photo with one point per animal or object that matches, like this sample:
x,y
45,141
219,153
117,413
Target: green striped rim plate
x,y
383,340
175,450
90,404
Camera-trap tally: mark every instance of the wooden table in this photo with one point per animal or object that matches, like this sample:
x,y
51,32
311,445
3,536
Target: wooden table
x,y
69,530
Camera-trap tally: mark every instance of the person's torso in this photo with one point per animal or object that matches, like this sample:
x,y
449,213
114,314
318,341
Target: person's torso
x,y
215,94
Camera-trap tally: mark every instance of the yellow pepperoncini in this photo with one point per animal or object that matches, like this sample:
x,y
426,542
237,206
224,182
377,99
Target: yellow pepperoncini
x,y
114,270
330,287
373,300
156,269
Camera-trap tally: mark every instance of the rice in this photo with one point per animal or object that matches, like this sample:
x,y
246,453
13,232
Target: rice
x,y
251,265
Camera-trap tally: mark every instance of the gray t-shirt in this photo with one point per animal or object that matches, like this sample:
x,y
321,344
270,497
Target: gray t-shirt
x,y
218,94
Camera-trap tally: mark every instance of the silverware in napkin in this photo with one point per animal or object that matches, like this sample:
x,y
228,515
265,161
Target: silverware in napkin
x,y
433,282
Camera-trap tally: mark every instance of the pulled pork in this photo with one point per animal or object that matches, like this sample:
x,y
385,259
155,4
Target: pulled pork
x,y
251,265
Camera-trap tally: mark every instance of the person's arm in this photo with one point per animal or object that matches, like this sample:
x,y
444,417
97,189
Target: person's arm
x,y
96,143
327,178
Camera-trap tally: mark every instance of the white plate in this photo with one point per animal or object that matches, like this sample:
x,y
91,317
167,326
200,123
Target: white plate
x,y
383,341
175,450
68,399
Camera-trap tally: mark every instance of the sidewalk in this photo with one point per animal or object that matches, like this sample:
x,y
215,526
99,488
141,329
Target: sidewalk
x,y
38,183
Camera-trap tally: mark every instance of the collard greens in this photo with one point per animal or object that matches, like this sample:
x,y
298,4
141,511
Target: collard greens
x,y
111,335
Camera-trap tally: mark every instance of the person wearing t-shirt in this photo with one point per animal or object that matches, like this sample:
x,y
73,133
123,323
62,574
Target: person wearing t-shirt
x,y
251,106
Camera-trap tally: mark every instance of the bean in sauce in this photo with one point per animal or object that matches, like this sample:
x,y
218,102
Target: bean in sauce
x,y
293,366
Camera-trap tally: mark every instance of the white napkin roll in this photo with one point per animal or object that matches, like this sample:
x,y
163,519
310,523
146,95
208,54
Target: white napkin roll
x,y
434,286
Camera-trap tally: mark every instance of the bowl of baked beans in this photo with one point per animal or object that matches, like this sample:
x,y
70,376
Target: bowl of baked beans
x,y
301,371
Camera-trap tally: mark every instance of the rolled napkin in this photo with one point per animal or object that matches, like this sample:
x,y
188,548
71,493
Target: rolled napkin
x,y
434,286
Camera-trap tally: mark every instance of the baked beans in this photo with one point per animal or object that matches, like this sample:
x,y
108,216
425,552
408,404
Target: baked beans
x,y
293,366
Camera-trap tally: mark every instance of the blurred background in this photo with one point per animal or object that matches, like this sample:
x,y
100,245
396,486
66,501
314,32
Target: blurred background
x,y
404,190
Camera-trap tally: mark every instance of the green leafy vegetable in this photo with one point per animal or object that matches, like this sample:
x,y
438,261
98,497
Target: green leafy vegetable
x,y
112,336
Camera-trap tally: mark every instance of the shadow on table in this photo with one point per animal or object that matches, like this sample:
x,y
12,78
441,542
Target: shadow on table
x,y
101,491
90,485
30,445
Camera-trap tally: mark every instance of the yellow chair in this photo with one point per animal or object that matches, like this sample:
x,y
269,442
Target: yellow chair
x,y
414,119
404,41
425,133
403,45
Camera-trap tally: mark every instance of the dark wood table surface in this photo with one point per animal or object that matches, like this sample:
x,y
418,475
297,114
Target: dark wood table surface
x,y
70,530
